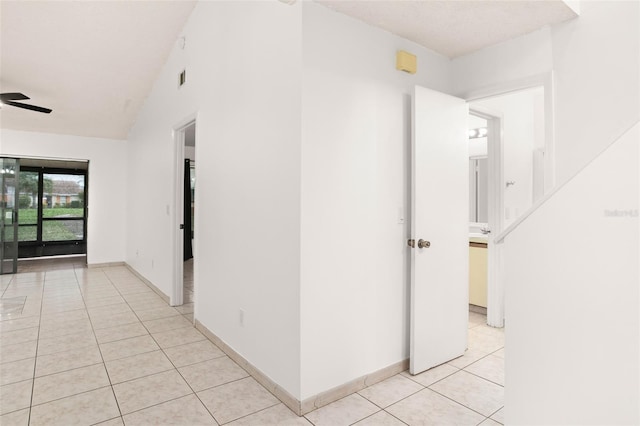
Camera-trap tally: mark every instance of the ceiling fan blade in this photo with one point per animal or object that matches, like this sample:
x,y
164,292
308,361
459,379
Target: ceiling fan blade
x,y
5,97
30,107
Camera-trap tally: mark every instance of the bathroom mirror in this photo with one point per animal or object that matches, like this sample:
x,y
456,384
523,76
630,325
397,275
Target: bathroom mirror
x,y
478,190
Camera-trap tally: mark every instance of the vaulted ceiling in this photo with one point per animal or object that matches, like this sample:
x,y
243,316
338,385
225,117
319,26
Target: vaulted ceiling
x,y
94,62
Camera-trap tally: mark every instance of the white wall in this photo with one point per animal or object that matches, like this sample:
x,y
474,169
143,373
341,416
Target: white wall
x,y
243,62
572,302
523,131
355,179
107,192
594,59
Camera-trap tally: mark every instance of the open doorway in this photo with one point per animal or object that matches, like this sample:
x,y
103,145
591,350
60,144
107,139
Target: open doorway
x,y
189,171
183,293
509,154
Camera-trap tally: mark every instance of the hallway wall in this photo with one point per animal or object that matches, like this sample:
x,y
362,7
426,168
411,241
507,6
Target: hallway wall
x,y
356,136
243,62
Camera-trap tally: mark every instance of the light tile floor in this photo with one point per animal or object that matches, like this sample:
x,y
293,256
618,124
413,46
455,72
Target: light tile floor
x,y
97,346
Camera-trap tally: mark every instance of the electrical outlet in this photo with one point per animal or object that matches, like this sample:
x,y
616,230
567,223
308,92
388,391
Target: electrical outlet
x,y
241,317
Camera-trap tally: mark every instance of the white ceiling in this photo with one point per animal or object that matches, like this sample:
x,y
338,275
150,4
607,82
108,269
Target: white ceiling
x,y
454,28
94,62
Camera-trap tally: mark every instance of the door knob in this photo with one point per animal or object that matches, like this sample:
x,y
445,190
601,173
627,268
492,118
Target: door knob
x,y
423,243
411,243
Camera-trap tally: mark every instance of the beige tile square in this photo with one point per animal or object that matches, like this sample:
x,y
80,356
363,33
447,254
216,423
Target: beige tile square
x,y
85,408
391,390
277,415
381,418
127,347
15,396
101,293
166,324
151,390
67,342
9,353
120,332
429,377
67,360
212,373
469,357
345,411
145,305
181,336
132,288
111,298
476,319
490,422
67,383
192,353
19,324
151,314
102,313
147,296
55,318
19,336
16,371
471,391
484,342
113,320
62,307
237,399
187,410
490,367
137,366
429,408
499,353
16,418
490,331
50,330
498,416
113,422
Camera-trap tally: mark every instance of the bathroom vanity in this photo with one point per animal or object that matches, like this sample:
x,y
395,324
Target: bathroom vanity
x,y
478,271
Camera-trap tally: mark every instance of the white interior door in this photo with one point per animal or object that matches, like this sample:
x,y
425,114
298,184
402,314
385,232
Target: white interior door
x,y
440,208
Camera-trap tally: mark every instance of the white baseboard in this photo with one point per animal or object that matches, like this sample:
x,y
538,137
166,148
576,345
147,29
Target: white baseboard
x,y
104,265
303,407
148,283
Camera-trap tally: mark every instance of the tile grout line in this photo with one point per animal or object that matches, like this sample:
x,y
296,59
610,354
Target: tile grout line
x,y
162,350
97,344
35,359
459,403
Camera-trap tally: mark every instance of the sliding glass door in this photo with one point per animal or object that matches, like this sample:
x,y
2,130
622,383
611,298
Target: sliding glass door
x,y
10,169
52,211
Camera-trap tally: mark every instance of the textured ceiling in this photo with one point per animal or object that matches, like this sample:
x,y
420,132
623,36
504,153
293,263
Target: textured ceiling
x,y
454,28
92,62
